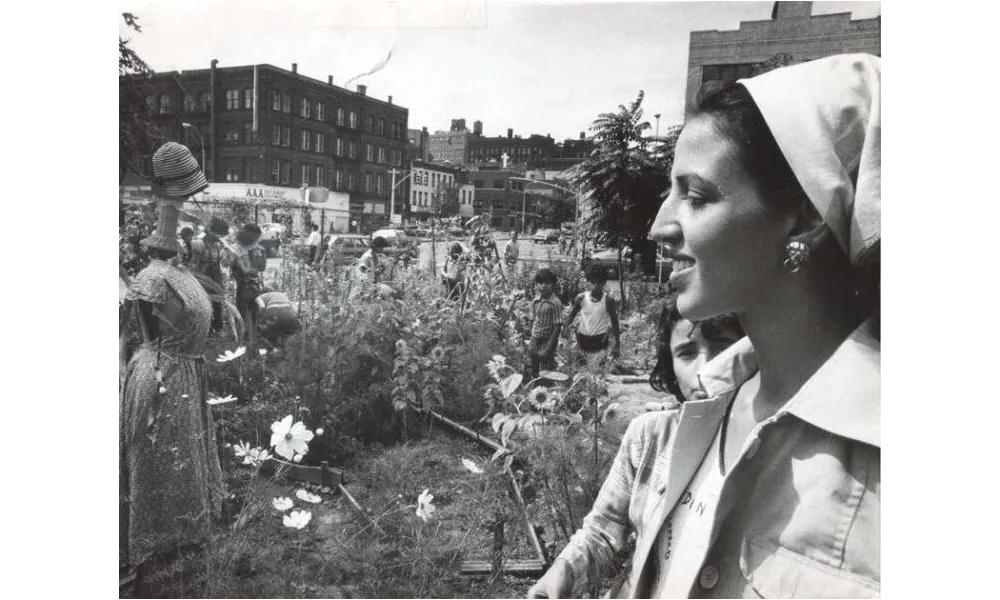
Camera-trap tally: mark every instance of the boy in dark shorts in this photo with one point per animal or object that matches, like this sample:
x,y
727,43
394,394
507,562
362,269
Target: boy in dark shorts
x,y
598,320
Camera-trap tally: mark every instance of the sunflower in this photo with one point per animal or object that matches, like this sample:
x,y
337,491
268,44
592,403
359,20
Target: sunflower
x,y
437,353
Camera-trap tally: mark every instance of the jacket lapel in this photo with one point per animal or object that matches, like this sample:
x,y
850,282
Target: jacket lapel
x,y
694,434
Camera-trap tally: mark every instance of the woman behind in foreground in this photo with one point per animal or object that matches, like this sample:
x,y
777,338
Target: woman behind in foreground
x,y
770,485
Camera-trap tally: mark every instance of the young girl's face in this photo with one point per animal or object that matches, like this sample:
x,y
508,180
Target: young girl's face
x,y
690,351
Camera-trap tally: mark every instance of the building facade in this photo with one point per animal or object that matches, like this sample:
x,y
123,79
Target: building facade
x,y
266,125
792,30
427,181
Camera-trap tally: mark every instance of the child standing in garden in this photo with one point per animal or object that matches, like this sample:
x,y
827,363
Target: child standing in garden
x,y
598,319
546,322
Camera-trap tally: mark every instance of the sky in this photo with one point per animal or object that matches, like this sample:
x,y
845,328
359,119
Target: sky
x,y
535,67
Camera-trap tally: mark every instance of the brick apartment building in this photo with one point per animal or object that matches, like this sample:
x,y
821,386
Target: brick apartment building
x,y
792,29
472,148
266,125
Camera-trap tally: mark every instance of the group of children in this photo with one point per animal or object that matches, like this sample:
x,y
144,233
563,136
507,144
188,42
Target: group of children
x,y
598,327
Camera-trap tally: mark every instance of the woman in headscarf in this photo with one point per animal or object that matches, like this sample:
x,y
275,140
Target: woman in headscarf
x,y
170,479
769,485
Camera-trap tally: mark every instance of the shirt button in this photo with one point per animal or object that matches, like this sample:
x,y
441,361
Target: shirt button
x,y
754,445
709,577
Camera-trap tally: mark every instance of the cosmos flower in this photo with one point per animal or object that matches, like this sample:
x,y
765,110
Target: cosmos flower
x,y
307,497
289,439
282,504
229,355
425,510
262,351
297,519
223,400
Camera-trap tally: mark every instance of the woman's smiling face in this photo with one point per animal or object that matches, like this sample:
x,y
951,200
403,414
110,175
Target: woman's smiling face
x,y
727,247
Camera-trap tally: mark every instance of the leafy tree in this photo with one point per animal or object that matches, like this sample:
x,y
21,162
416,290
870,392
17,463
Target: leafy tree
x,y
138,135
782,59
625,179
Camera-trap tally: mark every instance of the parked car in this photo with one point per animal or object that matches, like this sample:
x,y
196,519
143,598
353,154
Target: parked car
x,y
546,236
270,238
346,248
608,259
397,239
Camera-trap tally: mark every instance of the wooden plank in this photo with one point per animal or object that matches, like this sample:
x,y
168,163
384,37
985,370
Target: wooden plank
x,y
510,567
532,534
481,439
323,475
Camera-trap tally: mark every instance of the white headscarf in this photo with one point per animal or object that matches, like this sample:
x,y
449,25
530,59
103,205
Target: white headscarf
x,y
825,115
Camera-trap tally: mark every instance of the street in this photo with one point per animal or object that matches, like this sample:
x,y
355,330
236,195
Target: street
x,y
528,250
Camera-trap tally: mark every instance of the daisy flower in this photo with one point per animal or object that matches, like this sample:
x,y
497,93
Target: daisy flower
x,y
297,519
425,510
223,400
289,439
229,355
468,464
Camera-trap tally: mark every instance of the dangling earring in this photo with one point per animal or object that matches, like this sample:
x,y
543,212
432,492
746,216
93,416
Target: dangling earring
x,y
797,254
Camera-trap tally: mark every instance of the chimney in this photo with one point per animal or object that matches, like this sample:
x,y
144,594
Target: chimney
x,y
510,133
477,128
791,10
329,80
583,135
454,125
390,99
362,89
295,67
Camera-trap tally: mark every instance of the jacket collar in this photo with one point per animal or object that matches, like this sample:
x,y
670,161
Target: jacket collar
x,y
843,396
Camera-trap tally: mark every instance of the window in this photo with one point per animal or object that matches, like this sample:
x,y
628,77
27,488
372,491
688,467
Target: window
x,y
338,182
352,180
305,174
369,152
306,108
286,171
381,126
352,120
340,116
286,103
286,136
248,132
232,99
320,176
381,154
321,111
371,124
232,172
276,134
338,147
248,98
190,105
304,142
498,184
204,100
250,172
164,104
233,133
275,171
320,142
368,182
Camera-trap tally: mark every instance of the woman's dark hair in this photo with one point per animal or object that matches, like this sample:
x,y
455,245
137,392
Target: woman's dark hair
x,y
735,115
456,248
379,242
663,378
187,232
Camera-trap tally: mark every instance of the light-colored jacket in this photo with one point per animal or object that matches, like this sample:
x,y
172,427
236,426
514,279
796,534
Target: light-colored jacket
x,y
805,494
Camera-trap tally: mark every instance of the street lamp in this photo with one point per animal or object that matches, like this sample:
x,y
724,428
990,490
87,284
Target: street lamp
x,y
201,142
392,191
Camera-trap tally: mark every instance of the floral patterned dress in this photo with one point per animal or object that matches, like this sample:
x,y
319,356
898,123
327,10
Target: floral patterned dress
x,y
170,479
